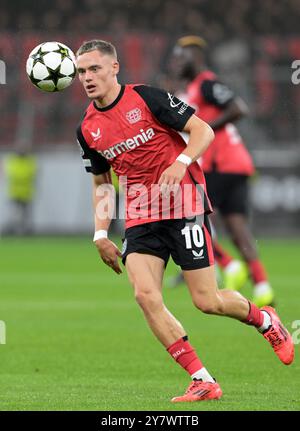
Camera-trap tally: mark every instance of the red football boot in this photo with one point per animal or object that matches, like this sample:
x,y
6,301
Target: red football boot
x,y
279,338
200,391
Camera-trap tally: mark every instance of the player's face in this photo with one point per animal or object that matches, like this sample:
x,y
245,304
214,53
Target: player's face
x,y
97,73
183,62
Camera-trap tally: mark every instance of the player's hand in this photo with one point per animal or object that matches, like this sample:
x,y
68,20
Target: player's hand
x,y
171,178
109,253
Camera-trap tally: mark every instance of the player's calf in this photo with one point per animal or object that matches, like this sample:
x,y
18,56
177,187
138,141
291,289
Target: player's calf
x,y
208,304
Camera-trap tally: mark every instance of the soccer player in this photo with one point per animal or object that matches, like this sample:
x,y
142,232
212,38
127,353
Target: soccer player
x,y
21,172
227,164
133,129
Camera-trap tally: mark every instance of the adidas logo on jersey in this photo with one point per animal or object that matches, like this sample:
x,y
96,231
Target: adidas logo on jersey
x,y
129,144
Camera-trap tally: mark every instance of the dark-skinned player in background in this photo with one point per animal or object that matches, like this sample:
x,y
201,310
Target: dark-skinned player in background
x,y
226,163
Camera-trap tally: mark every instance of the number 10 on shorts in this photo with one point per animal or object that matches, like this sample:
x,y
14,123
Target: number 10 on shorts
x,y
193,236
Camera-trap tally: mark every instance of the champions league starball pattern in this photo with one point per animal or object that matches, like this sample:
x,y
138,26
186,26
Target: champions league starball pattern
x,y
51,66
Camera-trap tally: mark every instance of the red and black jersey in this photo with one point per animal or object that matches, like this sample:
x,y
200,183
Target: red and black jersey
x,y
227,153
137,135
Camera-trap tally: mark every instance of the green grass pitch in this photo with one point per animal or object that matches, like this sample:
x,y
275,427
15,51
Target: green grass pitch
x,y
76,340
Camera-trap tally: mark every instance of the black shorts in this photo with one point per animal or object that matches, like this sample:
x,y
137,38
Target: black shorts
x,y
188,241
228,192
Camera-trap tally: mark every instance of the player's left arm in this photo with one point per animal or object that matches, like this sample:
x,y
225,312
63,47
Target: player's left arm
x,y
174,113
232,107
200,136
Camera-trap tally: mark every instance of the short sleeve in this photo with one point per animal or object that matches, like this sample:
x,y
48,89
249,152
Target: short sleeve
x,y
216,93
168,109
92,160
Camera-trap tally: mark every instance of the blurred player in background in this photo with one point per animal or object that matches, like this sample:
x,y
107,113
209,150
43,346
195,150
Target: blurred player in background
x,y
226,163
20,169
134,130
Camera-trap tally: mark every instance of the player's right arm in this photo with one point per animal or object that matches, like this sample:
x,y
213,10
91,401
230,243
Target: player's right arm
x,y
103,201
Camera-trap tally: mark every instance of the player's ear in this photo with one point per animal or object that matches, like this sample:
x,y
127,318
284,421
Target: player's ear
x,y
116,67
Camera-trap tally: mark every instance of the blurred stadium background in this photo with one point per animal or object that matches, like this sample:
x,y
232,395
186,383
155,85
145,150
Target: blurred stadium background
x,y
252,45
56,298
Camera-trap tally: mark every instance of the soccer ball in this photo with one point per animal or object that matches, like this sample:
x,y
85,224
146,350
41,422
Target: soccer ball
x,y
51,66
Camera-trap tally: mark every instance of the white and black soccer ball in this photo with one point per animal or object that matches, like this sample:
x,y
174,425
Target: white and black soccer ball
x,y
51,66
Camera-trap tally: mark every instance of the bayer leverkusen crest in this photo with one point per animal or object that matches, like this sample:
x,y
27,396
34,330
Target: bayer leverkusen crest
x,y
134,115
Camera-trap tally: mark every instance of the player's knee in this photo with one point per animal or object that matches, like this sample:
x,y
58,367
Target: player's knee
x,y
147,299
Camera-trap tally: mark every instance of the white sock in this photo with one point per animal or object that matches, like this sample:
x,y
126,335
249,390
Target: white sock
x,y
266,323
262,288
232,267
204,375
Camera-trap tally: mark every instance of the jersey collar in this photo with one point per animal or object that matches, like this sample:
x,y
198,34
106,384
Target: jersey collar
x,y
106,108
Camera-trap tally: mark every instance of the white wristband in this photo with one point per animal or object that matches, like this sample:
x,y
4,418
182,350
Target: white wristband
x,y
100,234
184,159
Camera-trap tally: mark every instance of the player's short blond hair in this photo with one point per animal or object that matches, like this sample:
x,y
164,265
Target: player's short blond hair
x,y
102,46
192,40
